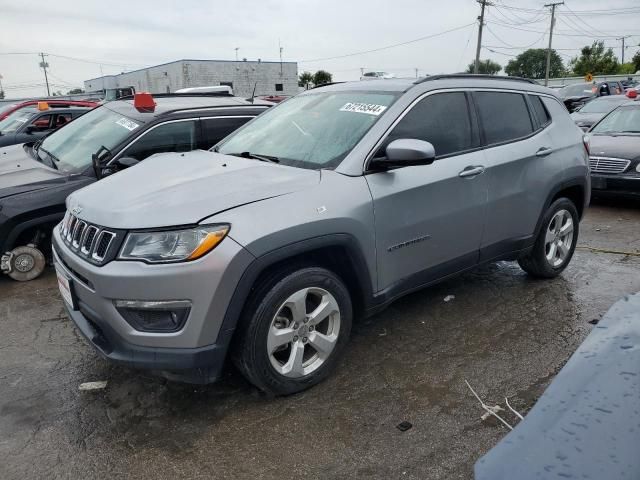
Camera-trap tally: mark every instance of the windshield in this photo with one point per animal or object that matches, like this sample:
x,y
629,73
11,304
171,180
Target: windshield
x,y
603,105
15,120
580,90
310,131
73,145
622,120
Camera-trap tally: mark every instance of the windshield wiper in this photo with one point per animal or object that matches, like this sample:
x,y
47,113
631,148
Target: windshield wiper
x,y
52,157
255,156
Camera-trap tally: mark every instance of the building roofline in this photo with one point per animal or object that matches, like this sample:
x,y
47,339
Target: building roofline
x,y
190,60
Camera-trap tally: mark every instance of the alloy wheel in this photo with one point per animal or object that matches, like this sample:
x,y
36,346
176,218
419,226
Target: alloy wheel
x,y
559,238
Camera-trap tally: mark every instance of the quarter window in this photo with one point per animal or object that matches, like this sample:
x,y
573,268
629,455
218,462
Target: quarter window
x,y
441,119
504,116
170,137
539,110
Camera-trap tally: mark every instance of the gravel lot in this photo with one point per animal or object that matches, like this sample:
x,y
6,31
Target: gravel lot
x,y
506,334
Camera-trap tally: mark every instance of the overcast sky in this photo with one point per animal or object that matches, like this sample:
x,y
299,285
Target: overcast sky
x,y
117,35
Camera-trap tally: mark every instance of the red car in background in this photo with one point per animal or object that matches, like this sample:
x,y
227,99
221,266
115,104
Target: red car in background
x,y
6,110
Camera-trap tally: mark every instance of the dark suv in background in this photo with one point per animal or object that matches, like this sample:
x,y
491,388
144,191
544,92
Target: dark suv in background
x,y
36,178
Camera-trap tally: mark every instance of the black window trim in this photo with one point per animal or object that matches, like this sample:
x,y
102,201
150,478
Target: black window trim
x,y
201,142
473,121
535,131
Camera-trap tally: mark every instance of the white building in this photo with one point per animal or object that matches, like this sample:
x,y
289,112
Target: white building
x,y
268,78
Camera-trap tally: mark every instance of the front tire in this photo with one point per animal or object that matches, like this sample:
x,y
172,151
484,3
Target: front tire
x,y
294,330
556,241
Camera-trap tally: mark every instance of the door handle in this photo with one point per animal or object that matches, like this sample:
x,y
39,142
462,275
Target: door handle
x,y
543,151
471,171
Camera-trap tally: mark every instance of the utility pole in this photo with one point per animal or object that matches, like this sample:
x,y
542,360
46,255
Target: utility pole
x,y
280,56
623,38
361,71
236,49
44,66
476,65
553,22
416,72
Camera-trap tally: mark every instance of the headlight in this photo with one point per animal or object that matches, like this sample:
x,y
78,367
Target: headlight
x,y
172,245
638,167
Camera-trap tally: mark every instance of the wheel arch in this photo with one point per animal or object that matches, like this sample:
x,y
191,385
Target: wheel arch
x,y
339,253
574,189
26,224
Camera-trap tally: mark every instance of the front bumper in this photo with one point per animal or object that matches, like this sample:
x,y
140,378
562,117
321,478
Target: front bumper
x,y
208,282
623,184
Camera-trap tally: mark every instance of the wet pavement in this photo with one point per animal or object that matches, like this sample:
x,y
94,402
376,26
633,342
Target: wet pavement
x,y
507,334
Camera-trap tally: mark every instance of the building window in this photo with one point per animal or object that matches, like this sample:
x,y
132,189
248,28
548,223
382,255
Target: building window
x,y
279,87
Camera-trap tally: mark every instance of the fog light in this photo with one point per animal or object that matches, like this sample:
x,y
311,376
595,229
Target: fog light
x,y
154,316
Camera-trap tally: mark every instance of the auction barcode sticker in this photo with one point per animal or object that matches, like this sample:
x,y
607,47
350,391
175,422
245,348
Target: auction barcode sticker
x,y
128,124
368,108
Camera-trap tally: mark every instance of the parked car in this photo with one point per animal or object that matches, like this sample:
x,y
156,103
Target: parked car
x,y
578,94
35,178
31,124
329,205
595,109
377,76
6,110
593,398
615,151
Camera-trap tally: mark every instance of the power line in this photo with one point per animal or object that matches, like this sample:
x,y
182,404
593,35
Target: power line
x,y
388,46
513,46
556,33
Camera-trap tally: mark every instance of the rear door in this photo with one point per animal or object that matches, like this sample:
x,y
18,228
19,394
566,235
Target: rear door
x,y
518,149
429,219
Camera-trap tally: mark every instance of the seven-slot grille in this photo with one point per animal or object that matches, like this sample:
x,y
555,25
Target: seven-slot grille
x,y
608,164
89,241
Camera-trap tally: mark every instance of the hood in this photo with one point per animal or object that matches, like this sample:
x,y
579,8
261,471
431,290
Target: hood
x,y
19,173
586,118
180,189
621,146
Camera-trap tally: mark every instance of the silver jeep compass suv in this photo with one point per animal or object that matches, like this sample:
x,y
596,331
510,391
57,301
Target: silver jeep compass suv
x,y
328,206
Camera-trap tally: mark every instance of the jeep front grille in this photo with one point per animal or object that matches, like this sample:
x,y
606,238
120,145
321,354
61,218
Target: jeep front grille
x,y
608,164
92,242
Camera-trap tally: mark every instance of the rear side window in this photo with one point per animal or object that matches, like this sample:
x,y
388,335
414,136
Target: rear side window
x,y
215,129
504,116
441,119
170,137
539,110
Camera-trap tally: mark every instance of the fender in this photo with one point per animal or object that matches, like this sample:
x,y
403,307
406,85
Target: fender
x,y
15,232
261,263
572,182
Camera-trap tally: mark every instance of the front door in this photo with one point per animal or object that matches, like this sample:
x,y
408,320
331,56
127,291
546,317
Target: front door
x,y
429,219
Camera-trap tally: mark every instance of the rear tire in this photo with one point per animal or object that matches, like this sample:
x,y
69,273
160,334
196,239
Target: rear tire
x,y
293,331
555,243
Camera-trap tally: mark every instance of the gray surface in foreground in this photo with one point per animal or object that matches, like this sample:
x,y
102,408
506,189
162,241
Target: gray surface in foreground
x,y
506,334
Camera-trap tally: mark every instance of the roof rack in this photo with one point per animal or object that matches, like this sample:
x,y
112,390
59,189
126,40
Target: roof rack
x,y
472,76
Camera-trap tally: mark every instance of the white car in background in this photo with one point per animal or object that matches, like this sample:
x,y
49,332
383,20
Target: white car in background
x,y
376,75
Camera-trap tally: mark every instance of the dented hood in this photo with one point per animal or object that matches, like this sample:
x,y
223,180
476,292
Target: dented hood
x,y
180,189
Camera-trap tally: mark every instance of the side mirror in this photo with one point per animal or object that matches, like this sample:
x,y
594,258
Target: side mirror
x,y
30,129
126,162
406,152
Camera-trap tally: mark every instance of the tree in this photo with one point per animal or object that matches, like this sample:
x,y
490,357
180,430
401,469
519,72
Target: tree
x,y
636,61
305,79
532,63
485,67
75,91
626,68
595,59
321,77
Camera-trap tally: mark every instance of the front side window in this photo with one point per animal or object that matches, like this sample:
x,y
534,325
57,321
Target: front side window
x,y
311,131
441,119
621,120
504,116
170,137
215,129
72,147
